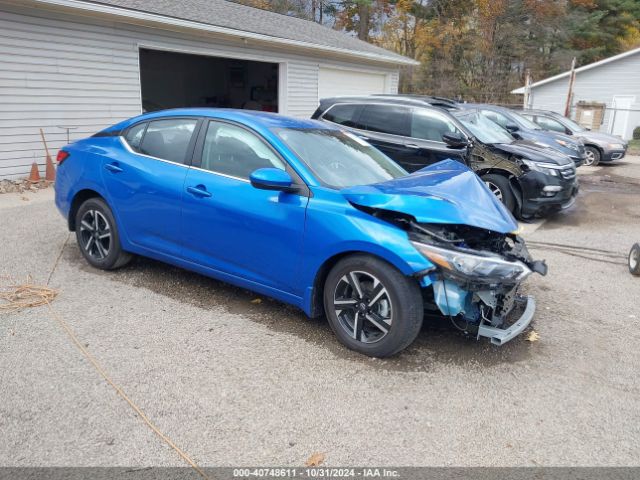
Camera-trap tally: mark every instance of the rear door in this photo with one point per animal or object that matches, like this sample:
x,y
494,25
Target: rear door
x,y
229,225
144,182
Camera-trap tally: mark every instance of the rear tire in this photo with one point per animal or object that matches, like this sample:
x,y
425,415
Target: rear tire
x,y
634,260
593,156
500,187
372,307
98,237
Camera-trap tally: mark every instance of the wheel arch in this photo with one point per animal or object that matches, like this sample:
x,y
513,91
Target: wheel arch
x,y
596,146
314,302
78,199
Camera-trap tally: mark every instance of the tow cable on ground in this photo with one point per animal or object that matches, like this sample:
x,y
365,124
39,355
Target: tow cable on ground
x,y
104,374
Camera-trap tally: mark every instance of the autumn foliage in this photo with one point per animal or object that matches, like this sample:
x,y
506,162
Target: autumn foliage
x,y
479,49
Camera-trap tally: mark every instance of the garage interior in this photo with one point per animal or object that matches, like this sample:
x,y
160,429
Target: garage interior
x,y
175,80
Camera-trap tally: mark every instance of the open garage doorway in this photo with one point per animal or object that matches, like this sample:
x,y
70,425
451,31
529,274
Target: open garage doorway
x,y
174,80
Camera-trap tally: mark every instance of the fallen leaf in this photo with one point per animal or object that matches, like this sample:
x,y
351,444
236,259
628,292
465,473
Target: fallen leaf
x,y
314,460
256,300
533,336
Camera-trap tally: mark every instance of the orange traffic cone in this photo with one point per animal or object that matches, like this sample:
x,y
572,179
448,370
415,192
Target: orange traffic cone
x,y
50,172
34,176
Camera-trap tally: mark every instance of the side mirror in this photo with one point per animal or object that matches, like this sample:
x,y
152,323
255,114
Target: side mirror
x,y
455,140
271,179
512,127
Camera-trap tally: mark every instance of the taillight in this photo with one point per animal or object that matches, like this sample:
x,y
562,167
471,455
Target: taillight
x,y
62,156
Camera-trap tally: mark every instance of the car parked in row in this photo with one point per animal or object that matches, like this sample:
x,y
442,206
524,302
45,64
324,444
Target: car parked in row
x,y
529,179
304,212
524,129
599,147
519,126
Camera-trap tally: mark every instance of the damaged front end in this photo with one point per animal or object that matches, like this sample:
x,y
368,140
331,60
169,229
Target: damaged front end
x,y
477,277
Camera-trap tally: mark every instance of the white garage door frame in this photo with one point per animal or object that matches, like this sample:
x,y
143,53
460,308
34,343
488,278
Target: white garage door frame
x,y
282,66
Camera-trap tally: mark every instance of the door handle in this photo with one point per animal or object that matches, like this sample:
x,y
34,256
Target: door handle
x,y
413,146
113,167
199,191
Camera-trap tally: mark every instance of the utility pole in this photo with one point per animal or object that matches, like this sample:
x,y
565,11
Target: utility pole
x,y
572,80
527,90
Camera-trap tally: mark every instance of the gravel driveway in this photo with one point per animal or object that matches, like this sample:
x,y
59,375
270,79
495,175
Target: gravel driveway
x,y
235,379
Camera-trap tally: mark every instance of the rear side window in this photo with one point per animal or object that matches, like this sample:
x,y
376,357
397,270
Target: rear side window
x,y
168,139
386,119
134,136
346,115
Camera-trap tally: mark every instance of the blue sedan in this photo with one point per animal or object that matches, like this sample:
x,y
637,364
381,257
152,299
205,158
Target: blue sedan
x,y
305,213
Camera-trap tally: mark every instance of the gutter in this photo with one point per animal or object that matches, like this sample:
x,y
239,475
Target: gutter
x,y
239,34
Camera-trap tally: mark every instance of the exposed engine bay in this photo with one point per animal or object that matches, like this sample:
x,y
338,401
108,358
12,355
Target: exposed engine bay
x,y
478,302
476,277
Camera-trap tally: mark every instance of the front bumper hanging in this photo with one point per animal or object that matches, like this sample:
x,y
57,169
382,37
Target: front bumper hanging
x,y
500,336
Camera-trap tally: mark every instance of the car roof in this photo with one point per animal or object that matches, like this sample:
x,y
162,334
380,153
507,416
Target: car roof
x,y
533,110
411,100
250,118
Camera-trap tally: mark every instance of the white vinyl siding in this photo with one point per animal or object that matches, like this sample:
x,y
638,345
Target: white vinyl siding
x,y
64,70
302,89
334,82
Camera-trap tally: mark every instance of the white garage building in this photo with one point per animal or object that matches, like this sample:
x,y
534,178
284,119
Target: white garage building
x,y
78,66
611,85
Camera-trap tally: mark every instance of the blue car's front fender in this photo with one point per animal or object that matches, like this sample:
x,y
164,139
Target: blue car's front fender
x,y
330,216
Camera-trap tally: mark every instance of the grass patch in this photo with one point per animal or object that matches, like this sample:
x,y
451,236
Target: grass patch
x,y
634,147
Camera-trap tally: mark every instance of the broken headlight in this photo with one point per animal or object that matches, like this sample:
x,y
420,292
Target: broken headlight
x,y
474,266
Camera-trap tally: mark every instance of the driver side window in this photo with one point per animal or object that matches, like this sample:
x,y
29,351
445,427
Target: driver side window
x,y
549,124
496,118
429,125
236,152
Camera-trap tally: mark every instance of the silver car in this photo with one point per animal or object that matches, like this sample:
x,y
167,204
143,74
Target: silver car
x,y
599,147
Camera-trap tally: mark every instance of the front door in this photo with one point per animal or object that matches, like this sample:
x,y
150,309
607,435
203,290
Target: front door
x,y
144,181
232,227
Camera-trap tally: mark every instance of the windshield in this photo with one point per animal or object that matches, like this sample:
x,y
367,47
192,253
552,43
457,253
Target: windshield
x,y
567,122
340,159
482,128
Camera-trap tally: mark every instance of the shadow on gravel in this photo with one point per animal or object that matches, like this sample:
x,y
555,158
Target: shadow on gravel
x,y
438,343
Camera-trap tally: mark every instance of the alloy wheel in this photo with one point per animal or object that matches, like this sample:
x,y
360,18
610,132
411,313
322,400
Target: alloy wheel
x,y
95,234
590,157
495,189
363,307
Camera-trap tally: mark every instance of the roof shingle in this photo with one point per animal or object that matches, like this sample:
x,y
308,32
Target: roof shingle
x,y
227,14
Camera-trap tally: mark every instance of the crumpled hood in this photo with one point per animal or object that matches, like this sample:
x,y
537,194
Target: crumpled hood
x,y
532,151
447,192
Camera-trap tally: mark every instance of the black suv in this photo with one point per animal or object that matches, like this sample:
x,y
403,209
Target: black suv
x,y
529,179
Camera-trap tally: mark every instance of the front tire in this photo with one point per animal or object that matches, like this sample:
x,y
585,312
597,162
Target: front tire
x,y
500,187
592,156
634,260
97,235
372,308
